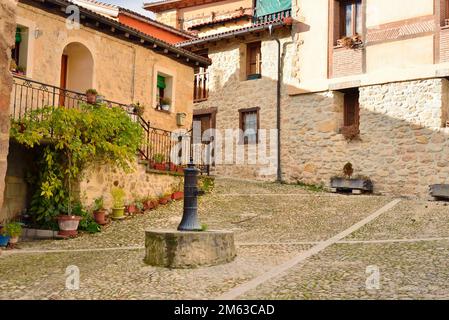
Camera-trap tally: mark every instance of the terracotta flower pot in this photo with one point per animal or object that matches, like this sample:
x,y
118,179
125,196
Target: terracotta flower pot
x,y
165,200
172,167
159,166
180,170
100,217
131,209
288,21
68,225
178,195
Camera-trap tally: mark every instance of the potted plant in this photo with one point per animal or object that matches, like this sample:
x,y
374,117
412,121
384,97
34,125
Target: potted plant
x,y
138,108
13,66
118,210
139,205
164,198
21,71
178,194
346,182
4,238
91,95
131,208
13,230
99,211
172,167
159,163
350,42
165,103
180,169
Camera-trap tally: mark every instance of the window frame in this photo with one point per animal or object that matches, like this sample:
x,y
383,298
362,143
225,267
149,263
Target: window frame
x,y
257,45
342,4
242,112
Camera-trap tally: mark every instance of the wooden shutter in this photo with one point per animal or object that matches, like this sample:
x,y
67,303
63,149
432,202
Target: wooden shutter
x,y
254,58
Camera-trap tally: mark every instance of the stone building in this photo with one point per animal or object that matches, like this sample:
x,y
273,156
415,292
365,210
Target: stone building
x,y
55,60
361,81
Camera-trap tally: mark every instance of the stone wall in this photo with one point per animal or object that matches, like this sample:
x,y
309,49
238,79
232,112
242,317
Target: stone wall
x,y
98,181
7,30
402,147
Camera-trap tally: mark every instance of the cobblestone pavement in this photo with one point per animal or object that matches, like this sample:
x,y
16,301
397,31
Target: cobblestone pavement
x,y
273,223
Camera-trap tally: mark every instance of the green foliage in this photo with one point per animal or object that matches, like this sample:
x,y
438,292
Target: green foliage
x,y
91,91
98,204
87,223
206,184
204,227
13,229
73,138
139,205
311,187
118,194
159,158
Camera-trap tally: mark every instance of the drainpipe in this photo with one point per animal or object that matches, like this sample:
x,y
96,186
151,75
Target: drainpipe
x,y
278,108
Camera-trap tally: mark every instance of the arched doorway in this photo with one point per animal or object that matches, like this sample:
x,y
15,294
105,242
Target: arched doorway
x,y
77,67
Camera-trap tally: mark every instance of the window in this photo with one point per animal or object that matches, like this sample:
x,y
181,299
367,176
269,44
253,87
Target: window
x,y
163,92
20,51
350,18
445,13
351,109
254,61
249,124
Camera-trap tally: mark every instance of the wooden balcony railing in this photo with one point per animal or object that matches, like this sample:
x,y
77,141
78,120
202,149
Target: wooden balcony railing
x,y
201,87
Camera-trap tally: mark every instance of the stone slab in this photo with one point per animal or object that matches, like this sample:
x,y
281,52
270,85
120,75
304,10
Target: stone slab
x,y
176,249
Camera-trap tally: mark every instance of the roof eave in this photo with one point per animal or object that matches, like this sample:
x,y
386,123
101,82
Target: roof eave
x,y
179,54
230,34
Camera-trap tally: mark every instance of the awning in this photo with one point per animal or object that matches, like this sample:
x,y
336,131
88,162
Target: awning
x,y
264,7
18,35
161,82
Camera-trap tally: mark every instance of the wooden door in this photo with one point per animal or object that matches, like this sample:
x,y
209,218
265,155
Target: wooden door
x,y
63,79
206,123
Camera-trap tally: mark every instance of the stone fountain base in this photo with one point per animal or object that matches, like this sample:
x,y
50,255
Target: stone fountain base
x,y
187,249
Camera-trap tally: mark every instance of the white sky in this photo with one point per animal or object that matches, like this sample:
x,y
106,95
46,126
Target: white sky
x,y
135,5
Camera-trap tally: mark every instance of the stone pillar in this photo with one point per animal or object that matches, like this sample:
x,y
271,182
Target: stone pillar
x,y
7,31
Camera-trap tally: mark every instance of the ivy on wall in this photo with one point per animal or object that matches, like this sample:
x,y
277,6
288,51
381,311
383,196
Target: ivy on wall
x,y
67,140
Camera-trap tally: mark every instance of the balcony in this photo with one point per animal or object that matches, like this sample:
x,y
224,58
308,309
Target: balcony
x,y
271,16
201,87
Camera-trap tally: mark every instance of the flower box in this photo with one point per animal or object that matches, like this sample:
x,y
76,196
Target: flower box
x,y
439,191
354,185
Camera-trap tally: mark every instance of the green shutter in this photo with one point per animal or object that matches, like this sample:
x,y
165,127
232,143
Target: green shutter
x,y
264,7
18,35
161,82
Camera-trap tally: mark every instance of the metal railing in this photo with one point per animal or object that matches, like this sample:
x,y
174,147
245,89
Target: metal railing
x,y
28,95
272,16
201,87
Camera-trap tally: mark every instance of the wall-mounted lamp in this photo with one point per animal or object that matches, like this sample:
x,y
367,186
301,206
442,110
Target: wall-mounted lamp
x,y
38,33
180,119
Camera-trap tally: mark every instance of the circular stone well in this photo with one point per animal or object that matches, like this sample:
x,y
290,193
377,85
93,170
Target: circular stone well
x,y
188,249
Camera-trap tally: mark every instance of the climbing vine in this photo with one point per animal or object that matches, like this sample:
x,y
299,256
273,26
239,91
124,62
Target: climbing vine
x,y
67,140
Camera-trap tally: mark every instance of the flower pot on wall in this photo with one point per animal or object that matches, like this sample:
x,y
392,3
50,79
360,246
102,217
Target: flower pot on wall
x,y
68,225
165,107
159,166
178,195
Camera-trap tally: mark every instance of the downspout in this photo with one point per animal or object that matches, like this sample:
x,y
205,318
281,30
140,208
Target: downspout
x,y
278,101
278,108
